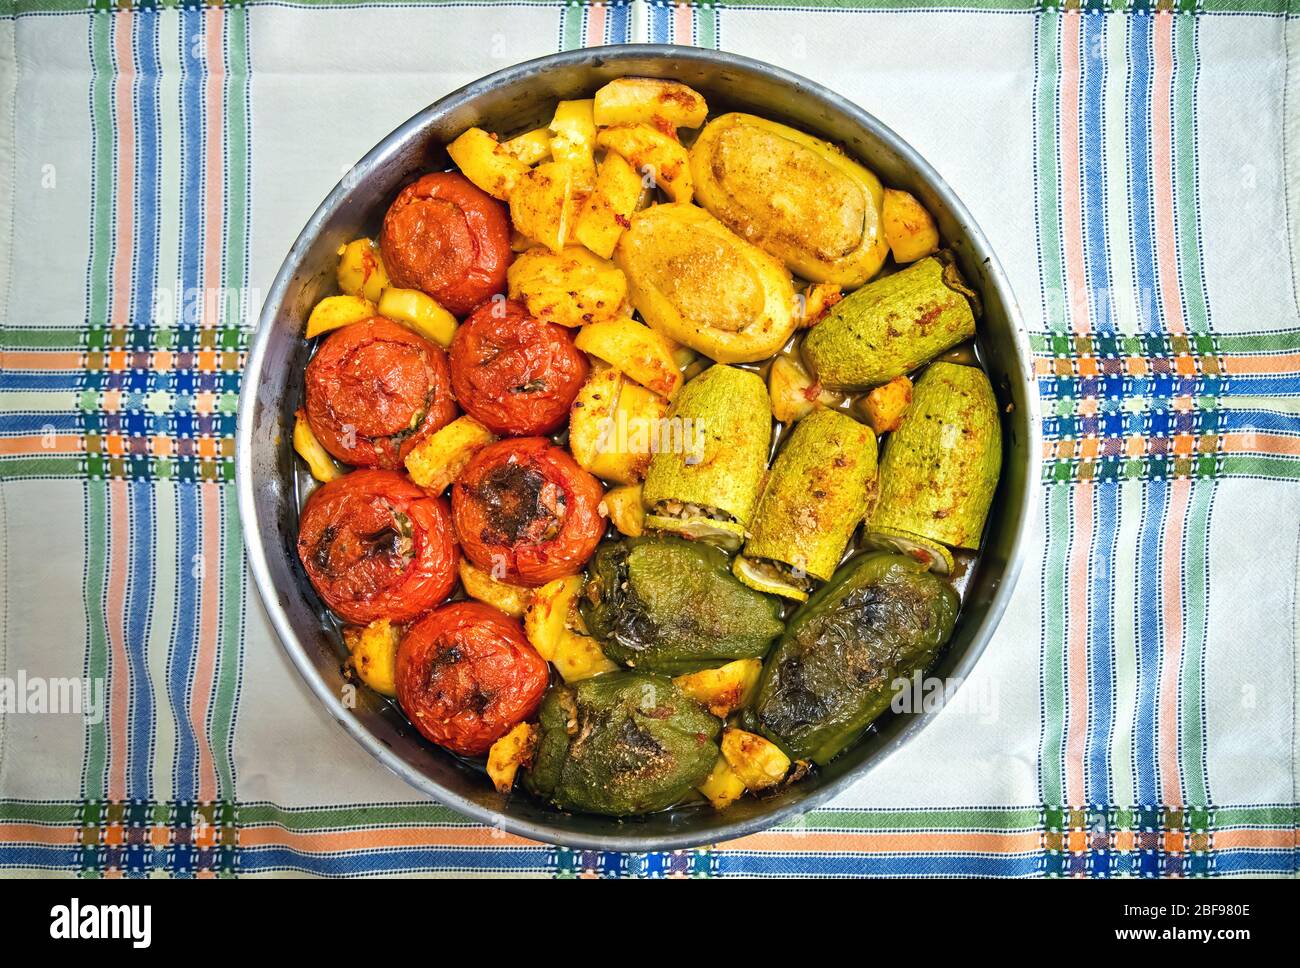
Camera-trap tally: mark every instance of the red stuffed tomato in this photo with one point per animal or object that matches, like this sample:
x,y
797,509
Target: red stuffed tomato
x,y
375,390
466,676
526,508
447,237
514,374
376,546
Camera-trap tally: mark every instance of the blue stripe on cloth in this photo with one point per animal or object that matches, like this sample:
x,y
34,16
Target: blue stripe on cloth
x,y
619,23
1142,218
191,241
730,863
1155,503
140,502
272,859
39,421
147,184
1096,251
1101,642
185,636
1246,861
46,858
57,380
660,23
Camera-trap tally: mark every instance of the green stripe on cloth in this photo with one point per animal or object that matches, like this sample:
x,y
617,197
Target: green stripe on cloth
x,y
1191,279
1196,573
1052,673
1047,189
33,338
230,650
94,779
572,35
1262,341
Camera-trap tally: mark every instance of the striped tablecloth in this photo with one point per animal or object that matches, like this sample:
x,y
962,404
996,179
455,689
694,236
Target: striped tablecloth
x,y
1135,714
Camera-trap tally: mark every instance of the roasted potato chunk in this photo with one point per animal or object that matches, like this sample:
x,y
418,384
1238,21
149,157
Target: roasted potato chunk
x,y
648,100
373,654
722,787
626,509
420,312
435,462
485,162
319,462
885,405
700,284
573,139
335,312
758,762
572,287
552,611
635,350
612,426
817,301
608,210
797,197
725,689
361,270
509,753
529,147
579,657
794,393
543,204
653,153
909,229
504,597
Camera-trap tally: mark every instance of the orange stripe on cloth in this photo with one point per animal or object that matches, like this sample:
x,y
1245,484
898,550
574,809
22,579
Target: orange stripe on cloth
x,y
375,838
1076,283
214,164
115,615
40,444
1171,601
1162,167
43,360
205,664
124,129
1076,730
34,833
1262,364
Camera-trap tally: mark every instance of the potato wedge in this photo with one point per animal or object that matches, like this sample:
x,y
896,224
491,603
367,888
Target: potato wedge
x,y
759,763
613,425
817,301
579,657
504,597
485,162
573,287
885,405
722,787
635,100
626,509
435,462
509,753
361,270
419,312
305,444
793,391
653,153
529,147
335,312
724,689
573,139
552,612
634,349
543,204
609,208
910,231
373,654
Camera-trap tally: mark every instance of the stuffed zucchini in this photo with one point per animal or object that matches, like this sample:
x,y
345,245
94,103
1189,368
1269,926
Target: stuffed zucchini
x,y
940,468
816,494
708,486
892,326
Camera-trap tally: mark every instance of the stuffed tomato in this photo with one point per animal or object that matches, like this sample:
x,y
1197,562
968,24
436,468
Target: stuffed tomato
x,y
466,676
525,511
375,390
514,374
376,546
449,239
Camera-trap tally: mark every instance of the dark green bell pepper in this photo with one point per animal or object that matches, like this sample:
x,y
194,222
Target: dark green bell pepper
x,y
620,744
669,605
881,617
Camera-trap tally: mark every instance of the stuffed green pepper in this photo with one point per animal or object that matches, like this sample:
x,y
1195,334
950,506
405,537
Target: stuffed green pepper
x,y
707,487
670,605
940,468
621,744
880,618
817,493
